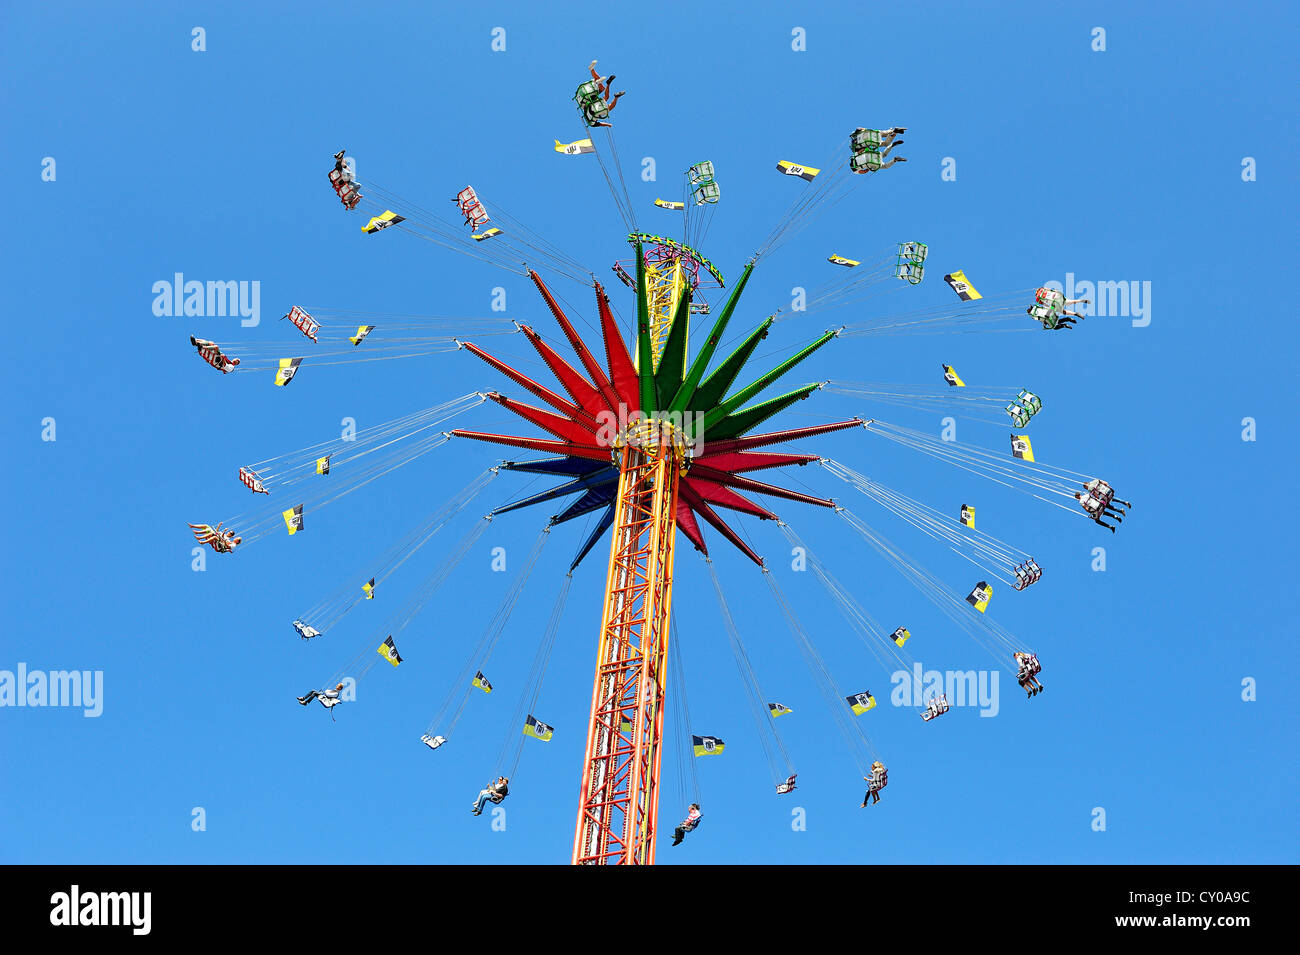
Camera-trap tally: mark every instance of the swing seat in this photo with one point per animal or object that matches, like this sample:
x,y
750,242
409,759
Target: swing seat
x,y
868,161
865,139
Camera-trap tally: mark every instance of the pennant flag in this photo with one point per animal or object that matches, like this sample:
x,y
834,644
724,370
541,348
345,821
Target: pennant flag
x,y
979,597
707,745
362,332
953,379
537,729
481,682
666,204
901,636
807,173
369,588
293,519
379,223
841,260
778,709
288,368
388,650
1021,447
576,148
323,465
485,234
861,702
968,516
959,284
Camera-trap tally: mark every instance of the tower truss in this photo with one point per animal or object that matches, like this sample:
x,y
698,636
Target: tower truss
x,y
619,798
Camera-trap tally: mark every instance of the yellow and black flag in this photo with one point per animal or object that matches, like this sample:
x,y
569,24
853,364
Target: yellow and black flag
x,y
288,368
901,636
968,516
958,282
707,745
953,379
1021,447
807,173
379,223
362,332
778,709
481,682
979,597
323,465
575,148
841,260
388,650
861,702
369,588
537,729
293,519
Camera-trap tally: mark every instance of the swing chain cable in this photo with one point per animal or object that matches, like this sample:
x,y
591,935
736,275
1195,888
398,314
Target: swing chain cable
x,y
328,611
408,611
686,770
880,644
995,639
459,692
512,749
987,464
263,521
764,722
986,552
858,741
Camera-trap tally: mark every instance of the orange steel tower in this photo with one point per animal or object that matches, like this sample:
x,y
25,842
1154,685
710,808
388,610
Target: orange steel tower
x,y
620,779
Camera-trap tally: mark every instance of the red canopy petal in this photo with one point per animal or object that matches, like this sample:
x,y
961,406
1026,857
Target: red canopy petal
x,y
701,507
738,462
596,373
591,452
579,389
723,496
689,526
558,425
776,437
749,484
519,378
621,370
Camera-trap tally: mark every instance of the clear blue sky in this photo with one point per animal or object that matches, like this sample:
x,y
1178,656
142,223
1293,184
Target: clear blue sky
x,y
1122,165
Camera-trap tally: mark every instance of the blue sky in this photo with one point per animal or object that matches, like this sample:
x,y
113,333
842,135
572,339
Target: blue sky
x,y
1116,165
